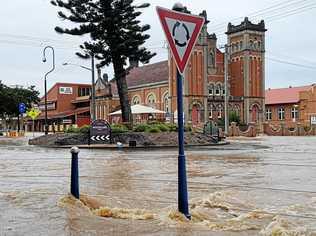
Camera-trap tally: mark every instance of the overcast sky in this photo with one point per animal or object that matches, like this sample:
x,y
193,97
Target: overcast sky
x,y
27,26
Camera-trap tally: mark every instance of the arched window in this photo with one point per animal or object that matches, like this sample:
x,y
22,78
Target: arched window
x,y
166,102
218,90
211,89
251,44
220,111
151,100
136,100
211,58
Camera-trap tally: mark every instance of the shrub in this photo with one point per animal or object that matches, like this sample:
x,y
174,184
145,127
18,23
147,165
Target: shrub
x,y
141,128
117,129
172,127
72,129
153,130
153,122
162,127
234,117
84,129
187,128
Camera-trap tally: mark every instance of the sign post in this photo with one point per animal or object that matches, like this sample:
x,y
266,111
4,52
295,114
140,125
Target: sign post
x,y
182,31
22,109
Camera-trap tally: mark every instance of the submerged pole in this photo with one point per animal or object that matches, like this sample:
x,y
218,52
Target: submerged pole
x,y
182,175
74,185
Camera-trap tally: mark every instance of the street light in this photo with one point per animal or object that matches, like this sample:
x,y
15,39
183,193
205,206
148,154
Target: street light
x,y
45,83
93,107
72,64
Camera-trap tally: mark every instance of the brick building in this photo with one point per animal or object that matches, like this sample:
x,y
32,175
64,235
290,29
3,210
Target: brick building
x,y
155,84
67,103
291,106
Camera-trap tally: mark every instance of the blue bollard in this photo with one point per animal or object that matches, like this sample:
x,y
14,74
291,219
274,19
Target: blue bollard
x,y
74,185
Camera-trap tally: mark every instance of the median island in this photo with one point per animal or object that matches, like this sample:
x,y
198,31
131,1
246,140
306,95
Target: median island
x,y
142,135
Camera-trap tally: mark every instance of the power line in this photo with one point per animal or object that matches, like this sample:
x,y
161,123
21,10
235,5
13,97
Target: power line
x,y
291,63
263,12
291,12
304,60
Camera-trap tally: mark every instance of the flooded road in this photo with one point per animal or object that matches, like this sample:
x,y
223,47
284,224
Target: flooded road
x,y
264,186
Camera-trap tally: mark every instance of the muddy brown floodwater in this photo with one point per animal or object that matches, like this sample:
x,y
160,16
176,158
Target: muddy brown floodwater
x,y
264,186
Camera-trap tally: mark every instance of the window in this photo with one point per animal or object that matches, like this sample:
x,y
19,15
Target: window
x,y
211,90
136,100
268,114
211,59
151,100
241,45
166,102
218,90
294,112
281,113
83,92
220,113
251,44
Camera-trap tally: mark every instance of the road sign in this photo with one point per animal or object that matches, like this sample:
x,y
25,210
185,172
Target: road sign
x,y
22,108
33,113
101,138
182,31
100,132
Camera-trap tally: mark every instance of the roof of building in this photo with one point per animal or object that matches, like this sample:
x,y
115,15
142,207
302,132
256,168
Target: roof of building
x,y
284,95
148,74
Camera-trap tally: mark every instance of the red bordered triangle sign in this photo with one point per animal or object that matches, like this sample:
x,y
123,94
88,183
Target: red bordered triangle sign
x,y
182,31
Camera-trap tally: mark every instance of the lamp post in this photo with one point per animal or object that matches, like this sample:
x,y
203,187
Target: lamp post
x,y
45,83
93,106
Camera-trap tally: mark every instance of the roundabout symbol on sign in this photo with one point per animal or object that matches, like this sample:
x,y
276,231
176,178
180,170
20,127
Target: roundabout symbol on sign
x,y
175,35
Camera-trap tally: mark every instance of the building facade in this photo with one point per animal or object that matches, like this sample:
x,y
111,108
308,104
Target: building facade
x,y
155,85
291,106
67,104
204,91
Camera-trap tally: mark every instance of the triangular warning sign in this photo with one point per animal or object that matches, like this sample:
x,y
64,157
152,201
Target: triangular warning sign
x,y
182,31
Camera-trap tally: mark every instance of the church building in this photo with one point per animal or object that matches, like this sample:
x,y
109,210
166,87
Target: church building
x,y
204,91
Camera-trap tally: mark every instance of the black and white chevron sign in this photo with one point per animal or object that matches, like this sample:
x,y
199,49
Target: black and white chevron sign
x,y
100,138
100,132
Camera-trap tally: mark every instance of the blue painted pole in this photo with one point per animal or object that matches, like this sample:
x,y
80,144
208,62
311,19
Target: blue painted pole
x,y
182,175
74,185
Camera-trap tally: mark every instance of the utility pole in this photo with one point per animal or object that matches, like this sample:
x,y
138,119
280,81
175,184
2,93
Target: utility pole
x,y
226,89
93,106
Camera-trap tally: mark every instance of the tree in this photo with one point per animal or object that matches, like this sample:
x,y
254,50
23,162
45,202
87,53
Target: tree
x,y
11,97
116,36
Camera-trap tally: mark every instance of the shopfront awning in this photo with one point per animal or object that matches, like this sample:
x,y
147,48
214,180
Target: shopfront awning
x,y
64,114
